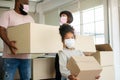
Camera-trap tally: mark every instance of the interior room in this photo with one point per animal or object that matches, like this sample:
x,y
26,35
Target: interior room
x,y
99,19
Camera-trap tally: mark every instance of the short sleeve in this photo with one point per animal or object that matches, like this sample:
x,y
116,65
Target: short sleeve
x,y
4,19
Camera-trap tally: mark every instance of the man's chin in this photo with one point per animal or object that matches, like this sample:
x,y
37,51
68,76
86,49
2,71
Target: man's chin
x,y
23,12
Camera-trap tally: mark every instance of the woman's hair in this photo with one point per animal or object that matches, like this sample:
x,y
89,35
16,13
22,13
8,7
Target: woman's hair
x,y
65,28
69,15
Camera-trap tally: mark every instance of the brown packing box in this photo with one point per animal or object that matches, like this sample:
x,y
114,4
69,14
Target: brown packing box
x,y
35,38
84,67
41,38
103,47
104,55
85,43
43,68
107,73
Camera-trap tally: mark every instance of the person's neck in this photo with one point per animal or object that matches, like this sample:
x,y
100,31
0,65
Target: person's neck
x,y
17,10
69,48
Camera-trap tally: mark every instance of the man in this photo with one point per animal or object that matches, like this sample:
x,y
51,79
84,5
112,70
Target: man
x,y
15,61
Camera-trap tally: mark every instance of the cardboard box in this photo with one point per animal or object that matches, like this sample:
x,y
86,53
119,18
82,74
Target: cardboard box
x,y
84,67
39,38
36,55
104,55
108,73
85,43
35,38
103,47
43,68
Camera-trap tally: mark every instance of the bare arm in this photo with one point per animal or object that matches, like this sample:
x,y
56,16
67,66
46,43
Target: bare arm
x,y
11,44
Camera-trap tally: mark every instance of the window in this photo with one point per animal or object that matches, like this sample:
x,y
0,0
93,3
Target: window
x,y
76,22
90,22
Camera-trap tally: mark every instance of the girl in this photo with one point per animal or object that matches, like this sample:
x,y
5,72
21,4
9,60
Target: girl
x,y
68,40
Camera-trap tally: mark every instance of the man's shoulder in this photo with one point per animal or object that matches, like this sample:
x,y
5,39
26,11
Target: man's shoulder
x,y
8,12
30,18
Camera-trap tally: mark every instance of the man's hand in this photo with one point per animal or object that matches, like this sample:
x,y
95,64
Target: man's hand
x,y
71,77
11,44
97,77
12,47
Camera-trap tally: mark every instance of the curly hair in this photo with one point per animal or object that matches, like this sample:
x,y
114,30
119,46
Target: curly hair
x,y
65,28
69,15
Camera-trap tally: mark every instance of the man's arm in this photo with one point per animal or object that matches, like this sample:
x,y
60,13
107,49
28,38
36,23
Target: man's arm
x,y
11,44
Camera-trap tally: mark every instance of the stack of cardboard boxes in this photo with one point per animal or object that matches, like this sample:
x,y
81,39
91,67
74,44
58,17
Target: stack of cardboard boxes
x,y
104,56
39,38
87,67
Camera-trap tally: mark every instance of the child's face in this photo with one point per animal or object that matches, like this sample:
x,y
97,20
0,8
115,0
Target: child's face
x,y
69,41
69,35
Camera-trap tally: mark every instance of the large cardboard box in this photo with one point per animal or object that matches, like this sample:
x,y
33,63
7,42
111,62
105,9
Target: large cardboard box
x,y
108,73
40,38
84,67
35,38
43,68
85,43
104,55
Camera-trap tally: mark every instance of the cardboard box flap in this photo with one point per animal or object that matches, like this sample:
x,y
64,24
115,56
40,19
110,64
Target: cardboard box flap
x,y
103,47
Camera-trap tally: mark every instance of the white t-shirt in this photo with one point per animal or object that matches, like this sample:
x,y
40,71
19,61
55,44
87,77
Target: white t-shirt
x,y
12,18
64,56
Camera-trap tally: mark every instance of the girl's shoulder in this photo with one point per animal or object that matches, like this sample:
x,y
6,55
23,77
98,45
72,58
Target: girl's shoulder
x,y
62,52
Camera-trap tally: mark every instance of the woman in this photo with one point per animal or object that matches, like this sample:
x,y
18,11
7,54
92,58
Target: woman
x,y
66,17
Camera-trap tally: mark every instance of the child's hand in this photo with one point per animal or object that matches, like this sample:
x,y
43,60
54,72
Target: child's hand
x,y
71,77
97,77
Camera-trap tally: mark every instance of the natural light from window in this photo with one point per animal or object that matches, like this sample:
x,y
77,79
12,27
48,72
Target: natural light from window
x,y
90,22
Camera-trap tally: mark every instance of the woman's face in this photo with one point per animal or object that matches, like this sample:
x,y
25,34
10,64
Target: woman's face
x,y
63,19
63,15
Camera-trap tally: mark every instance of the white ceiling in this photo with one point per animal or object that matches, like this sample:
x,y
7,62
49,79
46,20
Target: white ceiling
x,y
29,0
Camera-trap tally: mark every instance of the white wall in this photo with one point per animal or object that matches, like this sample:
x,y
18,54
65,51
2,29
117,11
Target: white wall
x,y
115,33
52,17
56,6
